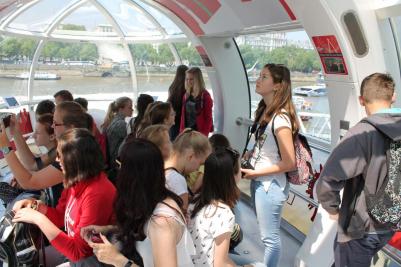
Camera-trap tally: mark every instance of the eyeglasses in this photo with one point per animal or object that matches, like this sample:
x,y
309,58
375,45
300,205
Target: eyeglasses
x,y
57,124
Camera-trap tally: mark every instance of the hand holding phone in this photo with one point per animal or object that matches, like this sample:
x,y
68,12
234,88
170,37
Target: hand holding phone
x,y
6,121
95,237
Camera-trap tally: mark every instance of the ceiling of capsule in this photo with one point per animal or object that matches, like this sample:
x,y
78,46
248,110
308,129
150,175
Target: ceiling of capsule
x,y
96,18
150,19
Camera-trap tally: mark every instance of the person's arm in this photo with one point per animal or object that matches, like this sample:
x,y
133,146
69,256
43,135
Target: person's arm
x,y
222,245
44,178
346,161
108,253
183,107
24,153
29,215
164,234
198,183
86,231
287,152
93,210
185,201
207,114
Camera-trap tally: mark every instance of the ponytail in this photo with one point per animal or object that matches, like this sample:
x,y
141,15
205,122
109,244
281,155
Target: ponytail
x,y
111,111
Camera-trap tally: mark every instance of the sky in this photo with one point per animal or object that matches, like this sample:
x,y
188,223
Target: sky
x,y
298,35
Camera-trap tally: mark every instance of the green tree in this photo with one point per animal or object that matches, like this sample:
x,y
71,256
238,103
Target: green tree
x,y
296,59
188,53
10,47
88,52
165,56
27,47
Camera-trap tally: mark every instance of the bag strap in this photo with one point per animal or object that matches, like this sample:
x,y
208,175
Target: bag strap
x,y
388,140
274,135
253,129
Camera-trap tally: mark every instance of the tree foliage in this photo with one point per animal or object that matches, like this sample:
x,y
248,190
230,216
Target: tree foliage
x,y
297,59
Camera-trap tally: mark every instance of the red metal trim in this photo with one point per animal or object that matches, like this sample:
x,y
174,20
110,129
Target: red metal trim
x,y
211,7
183,15
197,10
288,10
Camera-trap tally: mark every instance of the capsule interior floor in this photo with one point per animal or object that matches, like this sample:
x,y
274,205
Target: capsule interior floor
x,y
251,248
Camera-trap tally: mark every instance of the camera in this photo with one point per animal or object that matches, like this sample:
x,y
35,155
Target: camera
x,y
245,164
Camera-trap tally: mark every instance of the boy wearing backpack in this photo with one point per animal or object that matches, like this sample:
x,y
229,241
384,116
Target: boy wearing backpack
x,y
370,208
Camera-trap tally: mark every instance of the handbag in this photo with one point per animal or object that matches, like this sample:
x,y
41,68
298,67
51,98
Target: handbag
x,y
19,242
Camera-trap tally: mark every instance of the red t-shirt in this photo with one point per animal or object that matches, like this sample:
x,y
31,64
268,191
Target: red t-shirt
x,y
86,203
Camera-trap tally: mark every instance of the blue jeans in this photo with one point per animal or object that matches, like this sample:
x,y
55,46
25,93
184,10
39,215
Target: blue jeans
x,y
268,208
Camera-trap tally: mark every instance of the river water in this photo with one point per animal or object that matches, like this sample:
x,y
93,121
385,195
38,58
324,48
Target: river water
x,y
97,88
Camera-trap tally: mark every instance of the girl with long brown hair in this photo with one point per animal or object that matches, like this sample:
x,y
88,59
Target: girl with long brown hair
x,y
270,159
196,104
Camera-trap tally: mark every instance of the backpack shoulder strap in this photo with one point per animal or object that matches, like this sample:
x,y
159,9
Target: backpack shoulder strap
x,y
274,135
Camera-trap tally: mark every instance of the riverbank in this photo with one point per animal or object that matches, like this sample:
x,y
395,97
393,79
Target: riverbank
x,y
92,73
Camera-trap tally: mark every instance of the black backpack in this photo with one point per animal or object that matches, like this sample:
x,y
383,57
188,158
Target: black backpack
x,y
19,242
385,206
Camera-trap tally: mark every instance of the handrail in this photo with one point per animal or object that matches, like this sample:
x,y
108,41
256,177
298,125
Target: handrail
x,y
305,198
387,250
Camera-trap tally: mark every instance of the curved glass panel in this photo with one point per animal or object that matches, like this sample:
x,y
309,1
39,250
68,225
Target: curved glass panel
x,y
77,23
295,51
170,27
15,60
38,17
155,66
131,20
98,72
188,54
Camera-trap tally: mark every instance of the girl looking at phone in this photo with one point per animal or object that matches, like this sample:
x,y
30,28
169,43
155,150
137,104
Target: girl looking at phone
x,y
87,199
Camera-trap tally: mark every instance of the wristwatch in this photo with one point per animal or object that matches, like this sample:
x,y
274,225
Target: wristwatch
x,y
6,149
129,263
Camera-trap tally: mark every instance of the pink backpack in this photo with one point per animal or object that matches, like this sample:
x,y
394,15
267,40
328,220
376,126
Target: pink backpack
x,y
303,156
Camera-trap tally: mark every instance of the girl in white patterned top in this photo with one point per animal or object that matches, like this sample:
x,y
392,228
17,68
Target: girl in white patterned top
x,y
212,220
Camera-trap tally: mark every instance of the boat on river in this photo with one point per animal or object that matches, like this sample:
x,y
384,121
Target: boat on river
x,y
38,76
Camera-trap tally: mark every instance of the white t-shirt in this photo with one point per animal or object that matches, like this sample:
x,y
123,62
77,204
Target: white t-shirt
x,y
209,223
185,247
176,182
266,153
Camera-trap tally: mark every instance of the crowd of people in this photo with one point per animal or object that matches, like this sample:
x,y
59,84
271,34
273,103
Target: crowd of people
x,y
153,190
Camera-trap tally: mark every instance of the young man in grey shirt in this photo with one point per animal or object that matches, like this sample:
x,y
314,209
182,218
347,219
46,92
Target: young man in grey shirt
x,y
359,161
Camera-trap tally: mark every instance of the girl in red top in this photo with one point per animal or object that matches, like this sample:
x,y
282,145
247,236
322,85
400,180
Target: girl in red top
x,y
87,199
197,104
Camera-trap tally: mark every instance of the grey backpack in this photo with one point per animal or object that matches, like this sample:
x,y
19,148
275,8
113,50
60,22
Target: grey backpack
x,y
385,206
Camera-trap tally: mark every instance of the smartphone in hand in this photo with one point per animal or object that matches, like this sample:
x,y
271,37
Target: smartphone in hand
x,y
95,238
6,121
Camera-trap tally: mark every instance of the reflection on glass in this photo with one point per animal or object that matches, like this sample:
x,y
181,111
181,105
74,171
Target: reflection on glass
x,y
77,23
38,17
170,27
131,20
